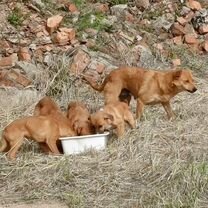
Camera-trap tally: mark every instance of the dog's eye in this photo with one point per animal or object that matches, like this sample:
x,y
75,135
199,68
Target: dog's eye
x,y
186,81
100,126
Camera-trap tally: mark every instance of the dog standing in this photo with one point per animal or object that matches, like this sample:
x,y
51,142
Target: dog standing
x,y
47,107
79,115
148,87
113,116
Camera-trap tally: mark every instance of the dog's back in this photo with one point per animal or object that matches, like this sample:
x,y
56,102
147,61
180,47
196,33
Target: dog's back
x,y
45,107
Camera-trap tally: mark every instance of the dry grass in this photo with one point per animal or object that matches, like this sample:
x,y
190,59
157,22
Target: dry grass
x,y
160,164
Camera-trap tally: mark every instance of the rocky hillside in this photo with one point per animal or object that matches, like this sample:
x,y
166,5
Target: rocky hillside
x,y
98,35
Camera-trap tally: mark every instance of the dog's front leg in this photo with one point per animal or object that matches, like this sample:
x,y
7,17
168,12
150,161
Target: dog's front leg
x,y
53,147
139,108
120,129
168,109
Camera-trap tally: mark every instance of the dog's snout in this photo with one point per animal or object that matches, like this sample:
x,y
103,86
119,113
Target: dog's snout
x,y
194,90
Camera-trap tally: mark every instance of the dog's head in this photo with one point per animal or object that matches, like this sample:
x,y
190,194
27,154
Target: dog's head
x,y
101,121
184,81
83,128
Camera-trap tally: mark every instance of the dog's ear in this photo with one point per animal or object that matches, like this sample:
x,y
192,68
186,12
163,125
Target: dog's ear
x,y
108,116
177,74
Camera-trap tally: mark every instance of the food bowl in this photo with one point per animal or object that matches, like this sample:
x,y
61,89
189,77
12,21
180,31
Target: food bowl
x,y
79,144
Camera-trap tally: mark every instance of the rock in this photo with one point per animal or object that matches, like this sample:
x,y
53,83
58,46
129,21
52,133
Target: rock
x,y
69,31
190,39
48,58
176,62
24,54
178,40
126,37
103,8
80,61
163,23
129,17
61,38
194,5
142,4
185,10
182,20
38,3
177,29
53,23
200,18
189,16
72,8
203,29
30,69
96,66
4,44
189,29
18,78
8,61
118,10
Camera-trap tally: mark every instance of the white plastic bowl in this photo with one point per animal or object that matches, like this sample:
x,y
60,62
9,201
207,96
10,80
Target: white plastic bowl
x,y
79,144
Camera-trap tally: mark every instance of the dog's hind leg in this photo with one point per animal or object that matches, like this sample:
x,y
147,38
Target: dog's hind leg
x,y
168,110
15,145
129,118
139,108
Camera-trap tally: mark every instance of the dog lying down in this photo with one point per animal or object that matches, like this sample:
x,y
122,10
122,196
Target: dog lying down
x,y
42,129
148,87
79,116
113,116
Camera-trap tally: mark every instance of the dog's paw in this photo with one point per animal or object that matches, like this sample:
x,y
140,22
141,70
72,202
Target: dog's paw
x,y
137,124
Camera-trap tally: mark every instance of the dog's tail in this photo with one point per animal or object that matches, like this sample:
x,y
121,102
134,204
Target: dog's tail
x,y
3,143
94,85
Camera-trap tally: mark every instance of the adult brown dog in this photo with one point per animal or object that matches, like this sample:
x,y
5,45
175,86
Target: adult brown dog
x,y
79,115
47,107
147,86
39,128
113,116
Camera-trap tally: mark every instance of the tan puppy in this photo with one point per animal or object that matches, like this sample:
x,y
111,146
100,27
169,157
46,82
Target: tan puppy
x,y
47,107
113,116
39,128
147,86
79,115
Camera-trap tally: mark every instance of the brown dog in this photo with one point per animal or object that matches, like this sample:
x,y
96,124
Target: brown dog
x,y
79,115
113,116
147,86
39,128
47,107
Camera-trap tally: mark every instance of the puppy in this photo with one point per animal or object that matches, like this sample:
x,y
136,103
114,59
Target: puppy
x,y
39,128
47,107
113,116
148,87
79,115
